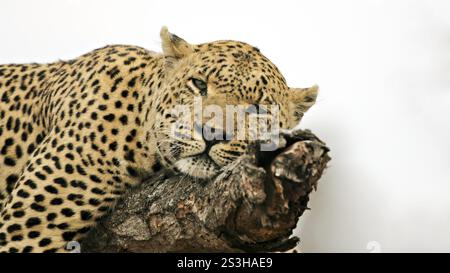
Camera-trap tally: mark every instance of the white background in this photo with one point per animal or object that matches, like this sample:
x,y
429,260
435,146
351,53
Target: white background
x,y
384,108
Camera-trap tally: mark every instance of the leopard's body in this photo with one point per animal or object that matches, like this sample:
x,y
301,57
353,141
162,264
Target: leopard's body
x,y
74,135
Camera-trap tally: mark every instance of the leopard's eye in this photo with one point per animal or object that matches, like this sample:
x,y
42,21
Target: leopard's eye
x,y
201,85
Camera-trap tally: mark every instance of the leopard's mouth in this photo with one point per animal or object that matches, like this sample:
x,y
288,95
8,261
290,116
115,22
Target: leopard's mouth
x,y
198,166
205,158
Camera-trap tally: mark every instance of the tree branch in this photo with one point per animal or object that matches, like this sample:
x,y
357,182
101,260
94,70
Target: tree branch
x,y
253,207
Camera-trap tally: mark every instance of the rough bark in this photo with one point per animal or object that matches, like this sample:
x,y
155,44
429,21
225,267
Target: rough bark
x,y
253,207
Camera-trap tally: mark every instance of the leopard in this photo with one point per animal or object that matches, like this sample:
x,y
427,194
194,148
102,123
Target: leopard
x,y
76,135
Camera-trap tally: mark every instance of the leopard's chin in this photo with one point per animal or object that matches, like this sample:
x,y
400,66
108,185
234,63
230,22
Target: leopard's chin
x,y
199,166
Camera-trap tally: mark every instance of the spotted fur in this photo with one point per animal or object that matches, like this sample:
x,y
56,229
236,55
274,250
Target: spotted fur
x,y
75,135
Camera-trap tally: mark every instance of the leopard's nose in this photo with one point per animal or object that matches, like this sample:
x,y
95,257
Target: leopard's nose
x,y
212,135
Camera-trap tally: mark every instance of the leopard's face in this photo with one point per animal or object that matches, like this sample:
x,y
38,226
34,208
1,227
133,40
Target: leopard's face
x,y
195,131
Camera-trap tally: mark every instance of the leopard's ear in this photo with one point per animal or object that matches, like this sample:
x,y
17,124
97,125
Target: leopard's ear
x,y
174,48
301,99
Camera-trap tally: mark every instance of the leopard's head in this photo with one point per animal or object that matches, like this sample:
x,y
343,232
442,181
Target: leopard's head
x,y
202,80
